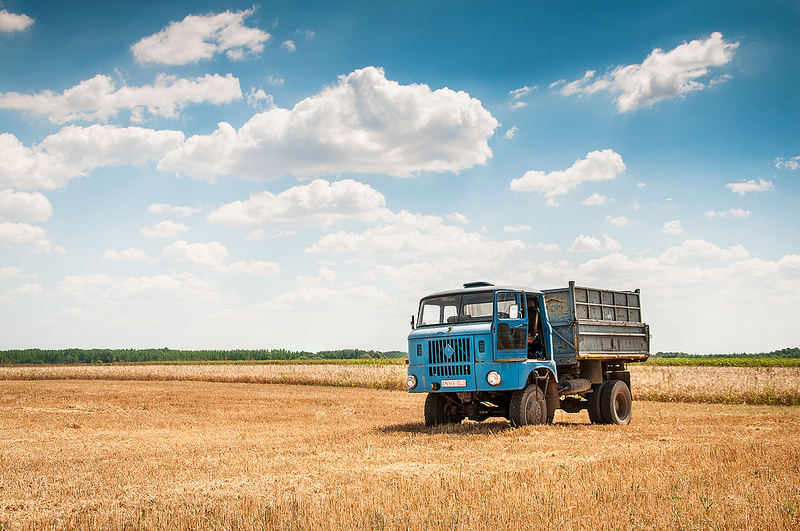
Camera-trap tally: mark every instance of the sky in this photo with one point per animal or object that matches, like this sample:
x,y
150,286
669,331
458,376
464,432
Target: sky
x,y
297,174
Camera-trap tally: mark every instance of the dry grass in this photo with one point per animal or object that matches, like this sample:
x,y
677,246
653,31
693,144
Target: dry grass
x,y
79,454
378,376
727,385
720,385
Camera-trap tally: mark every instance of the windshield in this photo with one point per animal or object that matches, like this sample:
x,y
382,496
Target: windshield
x,y
460,308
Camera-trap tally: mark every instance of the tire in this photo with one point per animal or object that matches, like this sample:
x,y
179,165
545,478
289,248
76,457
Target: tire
x,y
439,410
528,406
433,415
616,403
595,416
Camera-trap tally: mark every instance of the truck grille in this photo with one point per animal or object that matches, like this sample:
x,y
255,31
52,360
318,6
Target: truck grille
x,y
450,357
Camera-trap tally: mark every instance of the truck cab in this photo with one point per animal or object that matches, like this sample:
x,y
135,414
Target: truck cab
x,y
488,351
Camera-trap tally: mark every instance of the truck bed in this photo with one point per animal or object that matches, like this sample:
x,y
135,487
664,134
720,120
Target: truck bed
x,y
590,323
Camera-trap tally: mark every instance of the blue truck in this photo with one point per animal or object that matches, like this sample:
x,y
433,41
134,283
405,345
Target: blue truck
x,y
487,351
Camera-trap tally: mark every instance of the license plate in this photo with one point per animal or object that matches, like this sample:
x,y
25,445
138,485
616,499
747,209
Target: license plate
x,y
454,383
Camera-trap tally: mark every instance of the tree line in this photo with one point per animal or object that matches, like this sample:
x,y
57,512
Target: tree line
x,y
782,353
71,356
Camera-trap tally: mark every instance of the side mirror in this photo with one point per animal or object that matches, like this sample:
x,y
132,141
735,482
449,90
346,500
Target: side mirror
x,y
412,322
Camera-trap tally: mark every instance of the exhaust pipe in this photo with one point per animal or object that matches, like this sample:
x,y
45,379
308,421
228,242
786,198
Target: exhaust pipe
x,y
573,387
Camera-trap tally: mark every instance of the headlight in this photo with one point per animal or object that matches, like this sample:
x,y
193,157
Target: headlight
x,y
411,381
494,378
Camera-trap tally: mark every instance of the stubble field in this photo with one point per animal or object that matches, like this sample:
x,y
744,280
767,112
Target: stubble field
x,y
122,454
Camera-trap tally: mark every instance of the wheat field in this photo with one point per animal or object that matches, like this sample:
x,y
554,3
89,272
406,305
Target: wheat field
x,y
117,454
726,385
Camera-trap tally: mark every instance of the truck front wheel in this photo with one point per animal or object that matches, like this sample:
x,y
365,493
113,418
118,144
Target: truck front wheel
x,y
528,406
439,410
616,403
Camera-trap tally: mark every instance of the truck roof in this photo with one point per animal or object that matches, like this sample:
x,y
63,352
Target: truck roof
x,y
472,287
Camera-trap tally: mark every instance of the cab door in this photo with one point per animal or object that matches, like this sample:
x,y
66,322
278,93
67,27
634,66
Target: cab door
x,y
510,326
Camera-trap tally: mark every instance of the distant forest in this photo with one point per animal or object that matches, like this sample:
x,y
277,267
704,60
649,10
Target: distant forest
x,y
71,356
783,353
74,355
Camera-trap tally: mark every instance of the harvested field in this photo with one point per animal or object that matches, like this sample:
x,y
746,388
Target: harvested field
x,y
104,454
726,385
373,376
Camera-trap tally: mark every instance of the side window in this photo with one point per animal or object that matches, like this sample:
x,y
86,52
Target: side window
x,y
511,332
508,306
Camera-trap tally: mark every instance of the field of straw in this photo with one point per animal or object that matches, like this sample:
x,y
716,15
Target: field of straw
x,y
175,453
726,385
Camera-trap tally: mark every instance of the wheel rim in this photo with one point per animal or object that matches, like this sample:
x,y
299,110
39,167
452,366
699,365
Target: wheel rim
x,y
622,405
533,411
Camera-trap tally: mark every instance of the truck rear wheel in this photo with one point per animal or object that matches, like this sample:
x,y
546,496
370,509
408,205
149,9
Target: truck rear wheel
x,y
616,404
528,406
595,416
439,410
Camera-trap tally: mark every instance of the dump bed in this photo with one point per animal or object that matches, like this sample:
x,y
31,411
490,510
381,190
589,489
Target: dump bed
x,y
590,323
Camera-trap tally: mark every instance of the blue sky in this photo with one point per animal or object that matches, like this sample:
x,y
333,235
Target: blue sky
x,y
297,174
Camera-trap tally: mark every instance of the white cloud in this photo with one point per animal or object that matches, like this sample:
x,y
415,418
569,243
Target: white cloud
x,y
518,95
457,217
163,208
99,98
661,75
517,228
164,229
597,166
595,200
9,22
511,133
317,203
201,37
131,254
547,246
24,206
672,227
210,256
289,45
26,290
698,251
619,221
365,123
77,313
589,243
744,187
74,151
182,287
255,267
417,237
730,213
82,286
8,273
791,164
361,301
20,233
260,234
259,99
